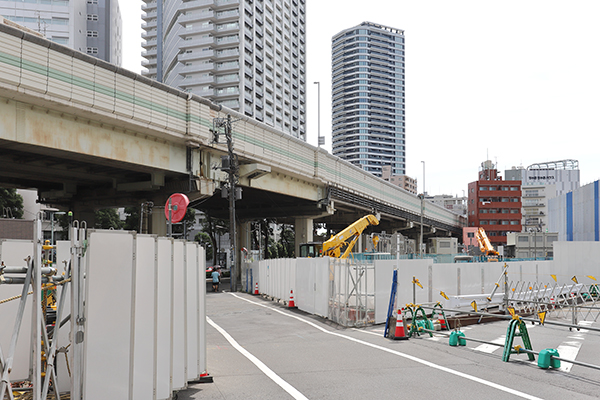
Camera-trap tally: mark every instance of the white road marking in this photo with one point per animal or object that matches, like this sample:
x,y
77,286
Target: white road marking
x,y
569,349
407,356
266,370
490,348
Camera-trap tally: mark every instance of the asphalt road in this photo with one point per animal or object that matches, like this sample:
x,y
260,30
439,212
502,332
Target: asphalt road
x,y
258,349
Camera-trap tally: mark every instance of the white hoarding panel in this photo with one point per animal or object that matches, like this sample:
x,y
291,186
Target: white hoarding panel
x,y
179,339
322,283
202,310
144,357
305,284
108,325
384,272
192,283
164,289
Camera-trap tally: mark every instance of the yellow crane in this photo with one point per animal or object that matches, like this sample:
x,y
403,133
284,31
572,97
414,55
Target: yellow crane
x,y
484,243
341,244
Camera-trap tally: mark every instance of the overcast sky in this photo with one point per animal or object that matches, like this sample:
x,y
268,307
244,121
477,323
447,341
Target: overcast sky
x,y
515,81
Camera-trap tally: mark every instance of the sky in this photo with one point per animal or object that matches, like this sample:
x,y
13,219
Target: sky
x,y
513,81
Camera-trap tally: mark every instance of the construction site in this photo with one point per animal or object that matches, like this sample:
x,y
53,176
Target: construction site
x,y
122,315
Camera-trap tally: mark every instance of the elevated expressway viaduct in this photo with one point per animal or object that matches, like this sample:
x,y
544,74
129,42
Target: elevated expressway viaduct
x,y
89,135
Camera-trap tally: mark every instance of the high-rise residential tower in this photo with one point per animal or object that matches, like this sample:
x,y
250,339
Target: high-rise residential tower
x,y
368,97
248,55
91,26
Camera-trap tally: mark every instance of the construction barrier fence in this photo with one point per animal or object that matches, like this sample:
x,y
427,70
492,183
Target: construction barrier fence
x,y
141,327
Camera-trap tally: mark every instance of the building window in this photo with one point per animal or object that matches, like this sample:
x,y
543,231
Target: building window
x,y
92,33
92,50
92,17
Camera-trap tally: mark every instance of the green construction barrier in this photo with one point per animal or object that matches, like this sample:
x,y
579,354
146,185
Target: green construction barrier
x,y
457,339
545,359
516,328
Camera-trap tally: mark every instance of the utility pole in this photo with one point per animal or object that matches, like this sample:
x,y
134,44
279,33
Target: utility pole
x,y
232,168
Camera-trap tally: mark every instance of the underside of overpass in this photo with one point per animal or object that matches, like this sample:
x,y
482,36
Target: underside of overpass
x,y
75,180
259,204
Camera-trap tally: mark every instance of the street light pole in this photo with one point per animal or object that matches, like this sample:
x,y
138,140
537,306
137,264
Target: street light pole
x,y
424,191
422,196
232,169
319,139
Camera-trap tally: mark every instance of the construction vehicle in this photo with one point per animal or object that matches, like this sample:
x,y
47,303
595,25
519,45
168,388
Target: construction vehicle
x,y
485,246
341,244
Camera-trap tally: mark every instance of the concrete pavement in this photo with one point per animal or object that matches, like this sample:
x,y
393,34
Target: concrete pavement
x,y
259,349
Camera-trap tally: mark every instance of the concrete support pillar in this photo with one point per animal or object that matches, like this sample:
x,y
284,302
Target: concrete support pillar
x,y
245,238
303,228
158,221
84,214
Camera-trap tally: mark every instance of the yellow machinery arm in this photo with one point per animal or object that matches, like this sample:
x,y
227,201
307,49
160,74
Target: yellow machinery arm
x,y
484,243
345,240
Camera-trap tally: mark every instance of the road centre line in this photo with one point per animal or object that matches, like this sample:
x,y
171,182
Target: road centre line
x,y
266,370
407,356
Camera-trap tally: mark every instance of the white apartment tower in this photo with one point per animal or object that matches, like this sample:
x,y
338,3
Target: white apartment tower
x,y
248,55
90,26
368,97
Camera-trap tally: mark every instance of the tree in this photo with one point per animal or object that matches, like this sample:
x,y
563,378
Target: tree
x,y
11,203
188,220
132,219
214,227
206,242
108,218
287,241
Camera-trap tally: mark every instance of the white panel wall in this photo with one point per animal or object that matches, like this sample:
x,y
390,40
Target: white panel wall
x,y
108,333
202,310
164,290
192,311
384,273
141,292
179,365
144,319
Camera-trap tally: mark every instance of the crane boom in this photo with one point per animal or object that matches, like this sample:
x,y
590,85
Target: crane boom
x,y
484,243
345,240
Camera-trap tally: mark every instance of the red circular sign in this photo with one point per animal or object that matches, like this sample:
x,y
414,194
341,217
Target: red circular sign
x,y
179,203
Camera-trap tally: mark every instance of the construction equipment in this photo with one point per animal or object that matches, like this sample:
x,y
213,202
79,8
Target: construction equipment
x,y
484,244
311,249
340,245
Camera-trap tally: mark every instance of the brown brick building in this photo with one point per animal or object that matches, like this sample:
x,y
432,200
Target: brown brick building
x,y
494,204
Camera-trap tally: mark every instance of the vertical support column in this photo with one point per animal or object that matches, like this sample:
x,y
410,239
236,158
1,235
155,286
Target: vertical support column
x,y
158,221
85,214
303,229
245,235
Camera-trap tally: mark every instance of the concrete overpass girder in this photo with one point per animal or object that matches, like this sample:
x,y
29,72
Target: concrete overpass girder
x,y
56,131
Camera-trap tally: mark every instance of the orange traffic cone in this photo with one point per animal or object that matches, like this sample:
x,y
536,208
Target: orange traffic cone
x,y
205,378
256,288
291,303
443,324
399,333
